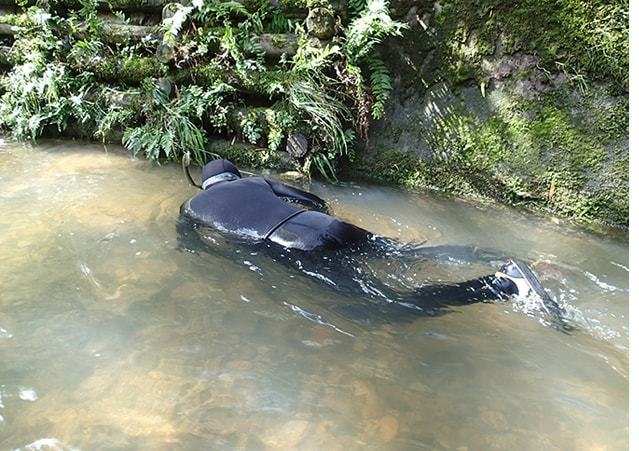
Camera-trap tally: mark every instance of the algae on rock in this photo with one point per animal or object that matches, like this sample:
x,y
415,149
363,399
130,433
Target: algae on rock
x,y
525,103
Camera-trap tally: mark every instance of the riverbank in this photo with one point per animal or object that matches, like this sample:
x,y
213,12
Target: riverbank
x,y
465,102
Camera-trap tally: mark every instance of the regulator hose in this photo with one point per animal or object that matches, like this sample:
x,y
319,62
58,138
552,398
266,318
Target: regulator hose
x,y
186,161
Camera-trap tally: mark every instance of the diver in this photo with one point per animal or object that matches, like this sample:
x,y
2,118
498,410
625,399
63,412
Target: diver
x,y
265,210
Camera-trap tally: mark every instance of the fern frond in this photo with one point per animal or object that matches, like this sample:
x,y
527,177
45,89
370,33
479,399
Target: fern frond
x,y
355,7
381,83
219,11
373,25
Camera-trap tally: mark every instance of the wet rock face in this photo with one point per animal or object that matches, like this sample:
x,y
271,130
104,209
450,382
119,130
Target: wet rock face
x,y
481,109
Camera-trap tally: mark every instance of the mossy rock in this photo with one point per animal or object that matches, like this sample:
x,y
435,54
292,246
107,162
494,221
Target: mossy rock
x,y
320,22
247,155
130,71
530,153
589,38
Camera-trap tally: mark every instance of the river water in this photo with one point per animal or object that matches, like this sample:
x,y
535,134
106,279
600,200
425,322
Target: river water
x,y
113,336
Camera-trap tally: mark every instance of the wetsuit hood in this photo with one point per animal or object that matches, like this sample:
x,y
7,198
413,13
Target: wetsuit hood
x,y
218,170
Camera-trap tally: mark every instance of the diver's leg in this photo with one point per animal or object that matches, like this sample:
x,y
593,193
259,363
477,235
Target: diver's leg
x,y
483,289
448,253
514,278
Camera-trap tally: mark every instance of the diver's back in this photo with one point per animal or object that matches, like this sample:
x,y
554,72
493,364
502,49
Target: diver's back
x,y
245,206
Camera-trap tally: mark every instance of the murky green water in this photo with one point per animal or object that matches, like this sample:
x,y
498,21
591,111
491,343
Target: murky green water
x,y
112,338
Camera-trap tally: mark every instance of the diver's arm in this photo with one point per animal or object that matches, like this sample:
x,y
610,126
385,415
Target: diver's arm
x,y
291,194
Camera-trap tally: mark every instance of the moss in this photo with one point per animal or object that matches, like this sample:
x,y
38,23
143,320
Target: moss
x,y
393,167
134,4
604,116
567,199
292,4
589,38
250,156
261,82
529,153
137,69
18,20
249,82
130,71
115,5
284,5
280,40
203,74
553,140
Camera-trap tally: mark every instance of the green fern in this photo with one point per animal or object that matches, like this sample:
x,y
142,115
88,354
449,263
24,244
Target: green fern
x,y
371,27
323,91
381,84
355,7
324,166
170,130
279,23
115,117
172,26
323,112
216,11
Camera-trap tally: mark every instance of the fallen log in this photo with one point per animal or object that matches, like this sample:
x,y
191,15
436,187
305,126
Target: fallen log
x,y
118,33
125,71
8,29
114,32
108,5
249,155
273,45
292,9
251,83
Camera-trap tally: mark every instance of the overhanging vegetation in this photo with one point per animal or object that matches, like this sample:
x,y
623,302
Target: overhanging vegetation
x,y
248,70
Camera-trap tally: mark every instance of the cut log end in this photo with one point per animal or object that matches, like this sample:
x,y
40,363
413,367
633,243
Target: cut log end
x,y
297,145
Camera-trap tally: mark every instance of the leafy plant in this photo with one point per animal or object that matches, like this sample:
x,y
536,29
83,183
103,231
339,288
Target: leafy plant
x,y
381,84
325,114
280,124
243,50
251,131
322,91
370,28
220,11
38,96
169,130
279,23
355,7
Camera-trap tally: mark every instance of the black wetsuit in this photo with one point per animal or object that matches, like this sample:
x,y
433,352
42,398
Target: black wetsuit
x,y
264,209
268,211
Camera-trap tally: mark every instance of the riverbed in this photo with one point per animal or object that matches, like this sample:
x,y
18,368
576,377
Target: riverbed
x,y
113,336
